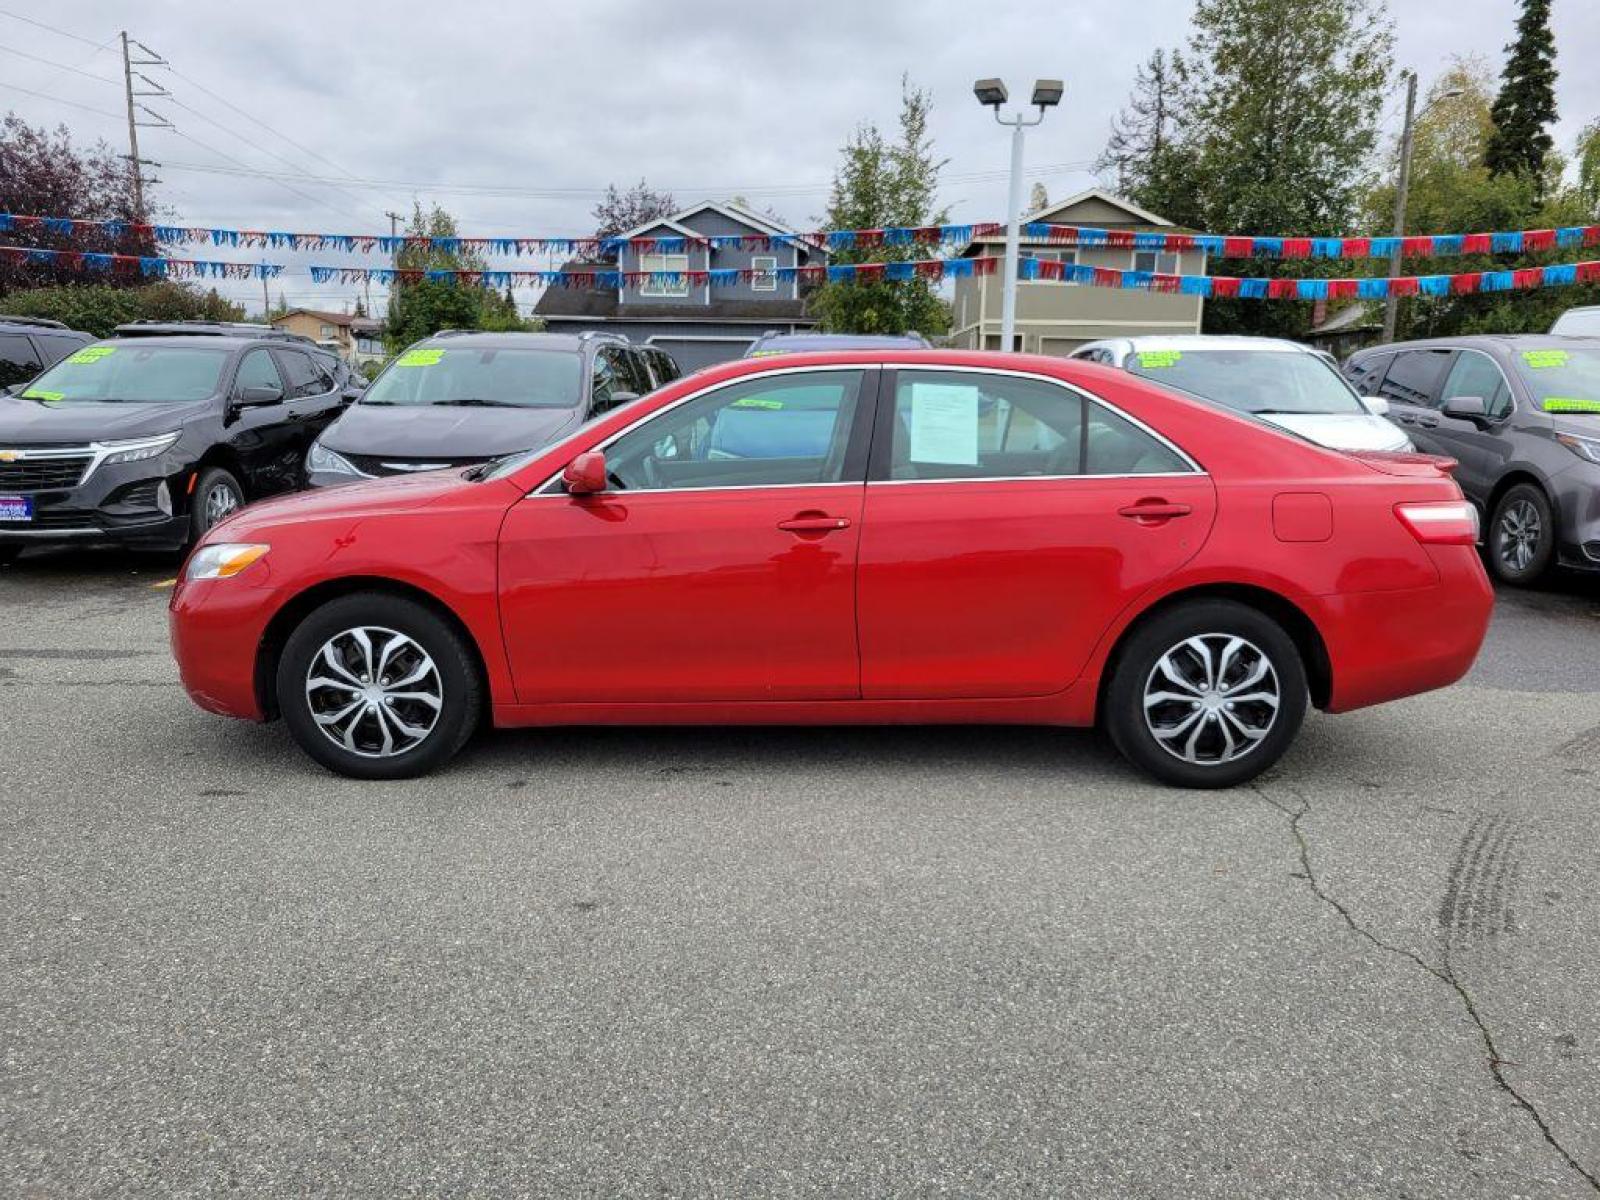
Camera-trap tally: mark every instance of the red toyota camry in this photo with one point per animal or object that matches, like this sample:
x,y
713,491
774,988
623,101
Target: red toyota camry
x,y
856,538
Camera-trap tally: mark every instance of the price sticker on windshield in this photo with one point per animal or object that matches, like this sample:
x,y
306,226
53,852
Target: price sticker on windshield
x,y
1570,404
41,394
1543,360
420,358
91,354
1156,359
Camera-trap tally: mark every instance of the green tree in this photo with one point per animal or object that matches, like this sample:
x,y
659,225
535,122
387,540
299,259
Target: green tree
x,y
98,308
1588,156
1145,153
620,211
1526,106
881,183
418,310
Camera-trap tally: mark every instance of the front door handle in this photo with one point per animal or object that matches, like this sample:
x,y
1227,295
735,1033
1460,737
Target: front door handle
x,y
1428,422
1406,418
1154,511
813,523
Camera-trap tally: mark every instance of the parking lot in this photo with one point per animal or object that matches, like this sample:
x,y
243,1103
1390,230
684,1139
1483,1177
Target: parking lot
x,y
790,962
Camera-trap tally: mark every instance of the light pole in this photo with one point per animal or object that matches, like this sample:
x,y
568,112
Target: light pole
x,y
992,94
1391,308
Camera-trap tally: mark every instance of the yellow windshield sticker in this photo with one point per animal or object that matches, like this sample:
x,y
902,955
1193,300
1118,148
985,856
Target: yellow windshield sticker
x,y
420,358
1570,404
1156,359
90,354
41,394
756,402
1543,360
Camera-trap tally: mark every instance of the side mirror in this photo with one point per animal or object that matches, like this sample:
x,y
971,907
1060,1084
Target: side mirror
x,y
351,394
586,474
1466,408
1376,405
256,397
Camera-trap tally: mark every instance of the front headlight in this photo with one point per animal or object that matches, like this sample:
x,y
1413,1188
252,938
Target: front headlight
x,y
137,449
1583,447
329,462
223,560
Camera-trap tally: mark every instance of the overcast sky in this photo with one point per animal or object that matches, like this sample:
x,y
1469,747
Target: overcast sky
x,y
516,116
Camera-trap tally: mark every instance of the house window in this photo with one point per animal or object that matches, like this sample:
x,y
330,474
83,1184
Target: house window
x,y
678,263
766,274
327,330
1068,257
1160,264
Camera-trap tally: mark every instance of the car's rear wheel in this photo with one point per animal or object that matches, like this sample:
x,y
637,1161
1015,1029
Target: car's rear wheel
x,y
1206,695
1522,537
217,494
379,687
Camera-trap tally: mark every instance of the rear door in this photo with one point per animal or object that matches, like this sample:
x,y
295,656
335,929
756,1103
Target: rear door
x,y
1008,520
261,436
312,402
1411,386
19,361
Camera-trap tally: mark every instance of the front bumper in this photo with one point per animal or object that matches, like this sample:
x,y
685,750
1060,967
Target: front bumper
x,y
1577,501
118,503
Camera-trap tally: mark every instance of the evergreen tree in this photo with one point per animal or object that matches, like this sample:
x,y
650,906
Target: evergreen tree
x,y
420,309
621,211
1526,106
1143,153
881,183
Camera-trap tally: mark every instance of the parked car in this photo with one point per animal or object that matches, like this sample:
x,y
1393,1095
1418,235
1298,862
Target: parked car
x,y
1521,414
1578,322
30,344
458,399
773,342
1282,383
941,537
149,441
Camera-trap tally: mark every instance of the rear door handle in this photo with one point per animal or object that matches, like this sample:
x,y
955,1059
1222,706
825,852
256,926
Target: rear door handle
x,y
814,523
1428,422
1154,510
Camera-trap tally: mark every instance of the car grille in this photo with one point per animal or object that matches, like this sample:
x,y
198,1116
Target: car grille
x,y
39,474
399,464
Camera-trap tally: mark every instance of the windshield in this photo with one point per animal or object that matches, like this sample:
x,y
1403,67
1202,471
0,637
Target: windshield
x,y
131,374
472,376
1251,381
1561,380
1578,322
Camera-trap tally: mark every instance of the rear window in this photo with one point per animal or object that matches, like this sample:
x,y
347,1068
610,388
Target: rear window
x,y
1414,375
132,373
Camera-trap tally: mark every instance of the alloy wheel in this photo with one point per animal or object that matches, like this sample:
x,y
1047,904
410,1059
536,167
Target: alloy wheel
x,y
374,692
1520,534
220,501
1211,699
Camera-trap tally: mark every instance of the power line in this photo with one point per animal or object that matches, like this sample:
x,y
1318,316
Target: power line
x,y
60,65
53,29
58,100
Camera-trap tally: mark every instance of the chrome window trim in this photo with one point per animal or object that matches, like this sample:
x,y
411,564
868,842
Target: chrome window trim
x,y
542,488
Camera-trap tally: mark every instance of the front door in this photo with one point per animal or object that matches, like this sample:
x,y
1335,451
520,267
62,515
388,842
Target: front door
x,y
719,565
1476,445
1007,523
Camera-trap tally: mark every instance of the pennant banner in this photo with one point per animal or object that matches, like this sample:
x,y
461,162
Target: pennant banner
x,y
1437,245
149,265
1204,286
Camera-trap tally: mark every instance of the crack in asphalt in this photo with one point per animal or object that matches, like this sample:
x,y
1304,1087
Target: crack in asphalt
x,y
1444,973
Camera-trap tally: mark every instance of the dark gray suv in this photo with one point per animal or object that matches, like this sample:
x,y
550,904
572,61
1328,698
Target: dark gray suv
x,y
1522,416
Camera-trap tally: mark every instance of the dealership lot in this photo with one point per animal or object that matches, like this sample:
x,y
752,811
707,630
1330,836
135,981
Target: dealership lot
x,y
744,962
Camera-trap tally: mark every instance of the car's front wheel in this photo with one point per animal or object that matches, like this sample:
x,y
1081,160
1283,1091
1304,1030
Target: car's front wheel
x,y
217,494
1208,694
1522,536
379,687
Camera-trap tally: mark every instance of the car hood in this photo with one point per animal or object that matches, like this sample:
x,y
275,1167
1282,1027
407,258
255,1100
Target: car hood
x,y
442,432
33,422
1582,425
352,501
1342,431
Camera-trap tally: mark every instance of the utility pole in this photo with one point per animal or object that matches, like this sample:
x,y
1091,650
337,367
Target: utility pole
x,y
266,305
1391,309
129,62
394,231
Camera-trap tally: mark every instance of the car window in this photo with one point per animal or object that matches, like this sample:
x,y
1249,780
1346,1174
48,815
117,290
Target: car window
x,y
1476,374
1251,381
19,362
1413,377
56,346
664,366
1366,372
304,379
603,382
480,376
760,432
628,370
257,369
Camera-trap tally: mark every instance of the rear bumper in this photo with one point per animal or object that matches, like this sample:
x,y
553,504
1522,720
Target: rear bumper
x,y
1390,644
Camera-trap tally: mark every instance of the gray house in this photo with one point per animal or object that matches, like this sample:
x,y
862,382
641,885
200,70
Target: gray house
x,y
696,320
1055,317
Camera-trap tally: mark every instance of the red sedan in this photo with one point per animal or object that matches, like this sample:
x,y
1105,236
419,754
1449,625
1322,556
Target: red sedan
x,y
913,536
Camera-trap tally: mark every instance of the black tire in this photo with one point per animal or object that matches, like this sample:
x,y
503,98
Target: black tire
x,y
9,552
1521,545
214,483
456,680
1215,622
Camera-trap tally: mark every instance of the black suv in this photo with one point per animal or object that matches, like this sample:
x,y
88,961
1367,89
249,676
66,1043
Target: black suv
x,y
460,398
30,344
1521,414
151,440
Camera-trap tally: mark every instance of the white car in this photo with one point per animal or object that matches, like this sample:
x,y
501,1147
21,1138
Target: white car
x,y
1578,322
1282,383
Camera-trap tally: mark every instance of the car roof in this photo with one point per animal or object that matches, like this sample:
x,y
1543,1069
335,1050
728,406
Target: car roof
x,y
841,341
572,342
1485,341
1197,342
41,325
212,341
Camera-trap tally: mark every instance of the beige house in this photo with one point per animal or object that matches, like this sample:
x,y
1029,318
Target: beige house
x,y
1055,317
354,339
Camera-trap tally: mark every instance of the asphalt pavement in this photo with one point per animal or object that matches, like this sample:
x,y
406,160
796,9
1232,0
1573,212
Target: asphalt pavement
x,y
745,962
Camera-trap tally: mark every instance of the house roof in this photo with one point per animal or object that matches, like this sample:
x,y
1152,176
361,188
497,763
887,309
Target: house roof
x,y
359,324
727,208
1051,211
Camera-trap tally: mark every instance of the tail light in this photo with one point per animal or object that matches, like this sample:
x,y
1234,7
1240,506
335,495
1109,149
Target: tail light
x,y
1440,522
